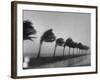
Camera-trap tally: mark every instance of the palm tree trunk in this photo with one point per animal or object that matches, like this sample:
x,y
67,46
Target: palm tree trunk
x,y
69,50
80,51
86,51
63,51
83,51
55,50
77,51
39,50
73,51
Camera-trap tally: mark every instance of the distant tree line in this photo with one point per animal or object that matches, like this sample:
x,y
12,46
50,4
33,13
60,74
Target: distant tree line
x,y
49,37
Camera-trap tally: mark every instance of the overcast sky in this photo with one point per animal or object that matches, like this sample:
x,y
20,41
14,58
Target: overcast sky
x,y
64,24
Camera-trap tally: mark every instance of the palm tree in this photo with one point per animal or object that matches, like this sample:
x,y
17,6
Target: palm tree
x,y
68,43
77,47
80,46
48,36
74,45
28,30
86,48
59,42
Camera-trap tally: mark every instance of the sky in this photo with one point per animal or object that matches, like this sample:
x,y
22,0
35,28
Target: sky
x,y
64,25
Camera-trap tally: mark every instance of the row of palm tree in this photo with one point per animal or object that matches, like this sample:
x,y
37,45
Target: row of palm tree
x,y
49,36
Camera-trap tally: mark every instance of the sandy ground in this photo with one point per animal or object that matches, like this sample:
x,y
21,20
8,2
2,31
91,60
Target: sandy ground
x,y
83,60
79,61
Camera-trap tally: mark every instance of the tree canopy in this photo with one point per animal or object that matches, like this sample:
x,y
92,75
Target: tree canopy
x,y
48,36
28,29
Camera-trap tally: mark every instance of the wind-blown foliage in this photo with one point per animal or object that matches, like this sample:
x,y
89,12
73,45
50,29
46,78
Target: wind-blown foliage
x,y
85,48
28,29
74,45
68,43
59,42
48,36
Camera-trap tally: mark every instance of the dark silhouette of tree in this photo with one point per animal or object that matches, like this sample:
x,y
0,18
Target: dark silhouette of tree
x,y
77,47
59,42
85,48
28,30
68,43
80,46
74,45
48,36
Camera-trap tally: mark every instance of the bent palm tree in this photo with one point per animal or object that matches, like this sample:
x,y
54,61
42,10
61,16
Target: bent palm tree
x,y
74,45
77,48
28,30
59,42
68,43
85,48
80,46
48,36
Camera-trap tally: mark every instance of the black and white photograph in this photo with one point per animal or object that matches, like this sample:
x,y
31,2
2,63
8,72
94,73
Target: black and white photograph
x,y
56,39
53,39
